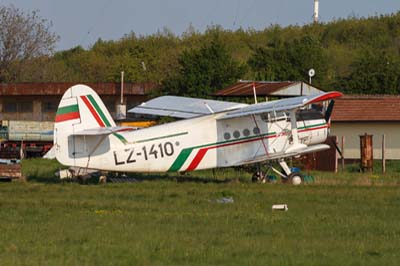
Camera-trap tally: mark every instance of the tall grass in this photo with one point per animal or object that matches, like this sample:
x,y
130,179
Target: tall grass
x,y
179,223
179,220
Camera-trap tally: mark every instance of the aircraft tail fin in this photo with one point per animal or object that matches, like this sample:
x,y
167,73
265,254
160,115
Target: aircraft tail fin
x,y
80,109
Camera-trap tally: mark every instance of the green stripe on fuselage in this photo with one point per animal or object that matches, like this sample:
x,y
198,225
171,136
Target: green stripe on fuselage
x,y
121,138
162,137
180,160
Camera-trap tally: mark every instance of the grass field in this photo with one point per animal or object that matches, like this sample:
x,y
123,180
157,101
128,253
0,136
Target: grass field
x,y
342,219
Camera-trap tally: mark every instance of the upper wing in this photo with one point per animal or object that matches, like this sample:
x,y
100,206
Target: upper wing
x,y
183,107
281,105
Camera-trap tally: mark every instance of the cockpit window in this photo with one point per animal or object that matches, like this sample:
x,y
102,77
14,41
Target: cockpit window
x,y
309,114
274,116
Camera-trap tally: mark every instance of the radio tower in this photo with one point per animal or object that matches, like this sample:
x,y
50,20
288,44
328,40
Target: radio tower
x,y
316,11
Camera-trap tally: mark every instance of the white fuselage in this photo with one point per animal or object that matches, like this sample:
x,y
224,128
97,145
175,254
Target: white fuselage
x,y
194,144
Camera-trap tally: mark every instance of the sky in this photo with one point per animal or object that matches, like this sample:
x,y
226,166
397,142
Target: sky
x,y
83,22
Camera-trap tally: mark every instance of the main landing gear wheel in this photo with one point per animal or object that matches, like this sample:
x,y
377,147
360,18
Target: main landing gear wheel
x,y
258,177
295,179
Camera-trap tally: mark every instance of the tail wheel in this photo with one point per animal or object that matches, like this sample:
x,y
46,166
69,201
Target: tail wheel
x,y
295,179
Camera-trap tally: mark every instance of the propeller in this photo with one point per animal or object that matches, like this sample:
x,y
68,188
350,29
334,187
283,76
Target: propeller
x,y
329,110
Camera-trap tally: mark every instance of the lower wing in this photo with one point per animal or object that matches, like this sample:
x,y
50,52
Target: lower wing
x,y
274,156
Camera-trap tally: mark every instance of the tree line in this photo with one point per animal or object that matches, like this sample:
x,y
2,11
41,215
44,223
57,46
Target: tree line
x,y
353,55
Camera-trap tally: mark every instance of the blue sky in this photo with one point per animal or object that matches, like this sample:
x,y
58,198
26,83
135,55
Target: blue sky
x,y
82,22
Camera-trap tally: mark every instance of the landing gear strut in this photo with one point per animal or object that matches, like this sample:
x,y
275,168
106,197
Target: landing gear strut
x,y
287,176
259,176
293,178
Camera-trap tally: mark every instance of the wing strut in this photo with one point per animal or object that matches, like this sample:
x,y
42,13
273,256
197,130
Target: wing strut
x,y
262,138
293,121
296,146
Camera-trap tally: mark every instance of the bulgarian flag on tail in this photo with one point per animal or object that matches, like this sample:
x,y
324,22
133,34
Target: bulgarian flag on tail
x,y
67,110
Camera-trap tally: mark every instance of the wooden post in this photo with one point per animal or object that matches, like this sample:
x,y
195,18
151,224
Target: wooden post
x,y
342,155
383,154
366,150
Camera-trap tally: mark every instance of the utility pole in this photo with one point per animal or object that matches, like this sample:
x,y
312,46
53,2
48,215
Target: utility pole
x,y
122,87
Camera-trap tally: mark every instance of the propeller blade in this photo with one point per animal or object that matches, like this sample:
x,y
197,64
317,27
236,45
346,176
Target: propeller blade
x,y
329,110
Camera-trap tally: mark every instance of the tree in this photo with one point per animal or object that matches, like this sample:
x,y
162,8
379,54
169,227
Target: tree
x,y
204,70
23,36
290,60
373,73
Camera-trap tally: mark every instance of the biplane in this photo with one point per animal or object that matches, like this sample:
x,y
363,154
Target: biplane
x,y
208,134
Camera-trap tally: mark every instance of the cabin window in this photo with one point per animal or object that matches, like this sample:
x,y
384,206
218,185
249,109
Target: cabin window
x,y
246,132
256,131
236,134
227,136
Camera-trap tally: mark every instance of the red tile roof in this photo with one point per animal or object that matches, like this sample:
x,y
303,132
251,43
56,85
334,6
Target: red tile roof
x,y
245,88
58,88
366,108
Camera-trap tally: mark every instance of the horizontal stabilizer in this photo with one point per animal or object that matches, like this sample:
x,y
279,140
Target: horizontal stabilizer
x,y
183,107
102,131
309,149
282,105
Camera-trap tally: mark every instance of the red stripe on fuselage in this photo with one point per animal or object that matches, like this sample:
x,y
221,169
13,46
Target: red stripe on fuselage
x,y
197,159
93,111
313,128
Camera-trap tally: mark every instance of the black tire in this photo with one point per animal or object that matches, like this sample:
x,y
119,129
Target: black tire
x,y
295,179
258,177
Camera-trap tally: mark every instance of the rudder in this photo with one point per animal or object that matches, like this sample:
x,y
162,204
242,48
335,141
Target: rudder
x,y
80,108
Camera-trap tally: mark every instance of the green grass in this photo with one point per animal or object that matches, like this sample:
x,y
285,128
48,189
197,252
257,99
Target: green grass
x,y
177,220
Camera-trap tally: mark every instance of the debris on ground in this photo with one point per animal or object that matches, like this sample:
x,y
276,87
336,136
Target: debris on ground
x,y
225,200
279,207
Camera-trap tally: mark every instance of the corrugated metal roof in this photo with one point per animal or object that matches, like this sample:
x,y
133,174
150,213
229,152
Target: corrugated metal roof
x,y
372,108
263,88
58,88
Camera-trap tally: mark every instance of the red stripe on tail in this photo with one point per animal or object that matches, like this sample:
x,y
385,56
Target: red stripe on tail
x,y
66,117
91,109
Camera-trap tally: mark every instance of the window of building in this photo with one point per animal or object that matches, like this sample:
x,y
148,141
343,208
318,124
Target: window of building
x,y
110,105
10,107
25,107
49,107
14,107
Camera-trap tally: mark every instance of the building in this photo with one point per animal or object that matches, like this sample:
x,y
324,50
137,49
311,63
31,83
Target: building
x,y
39,101
28,110
355,115
267,89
